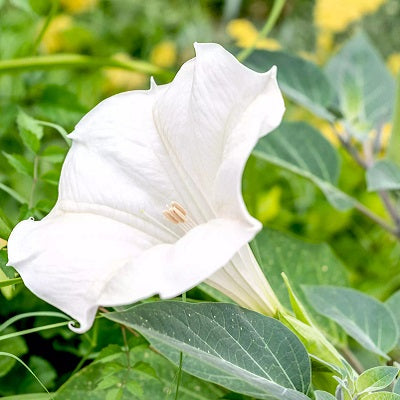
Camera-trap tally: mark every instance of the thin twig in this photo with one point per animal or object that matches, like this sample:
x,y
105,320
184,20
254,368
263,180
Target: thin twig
x,y
366,162
352,359
270,23
34,181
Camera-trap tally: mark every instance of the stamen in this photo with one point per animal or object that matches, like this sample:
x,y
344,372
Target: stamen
x,y
175,213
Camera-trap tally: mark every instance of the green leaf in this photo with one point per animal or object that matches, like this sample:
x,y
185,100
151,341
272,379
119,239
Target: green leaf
x,y
236,348
358,69
396,387
13,193
30,396
5,227
20,163
150,376
393,303
381,396
320,395
15,346
383,175
30,131
375,379
301,149
303,263
364,318
301,80
55,154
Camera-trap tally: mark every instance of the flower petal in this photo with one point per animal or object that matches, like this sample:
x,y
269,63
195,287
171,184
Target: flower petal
x,y
78,262
217,108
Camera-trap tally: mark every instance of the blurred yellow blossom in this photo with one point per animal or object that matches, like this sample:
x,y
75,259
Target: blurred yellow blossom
x,y
246,35
78,6
54,39
337,15
121,79
393,63
269,204
3,243
164,54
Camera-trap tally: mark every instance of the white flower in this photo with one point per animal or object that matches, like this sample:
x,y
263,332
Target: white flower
x,y
150,194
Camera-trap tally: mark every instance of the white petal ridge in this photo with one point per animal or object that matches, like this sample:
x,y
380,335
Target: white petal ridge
x,y
106,241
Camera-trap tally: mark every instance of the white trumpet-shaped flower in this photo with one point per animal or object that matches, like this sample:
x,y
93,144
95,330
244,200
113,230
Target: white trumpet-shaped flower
x,y
150,195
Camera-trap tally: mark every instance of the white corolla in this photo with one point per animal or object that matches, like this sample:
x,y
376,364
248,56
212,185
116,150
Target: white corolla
x,y
150,195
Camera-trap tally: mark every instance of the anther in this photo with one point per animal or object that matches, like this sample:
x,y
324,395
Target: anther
x,y
175,213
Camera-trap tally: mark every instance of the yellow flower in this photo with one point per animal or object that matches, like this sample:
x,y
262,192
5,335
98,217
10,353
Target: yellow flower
x,y
164,54
3,243
393,63
337,15
121,79
77,6
246,35
54,39
269,204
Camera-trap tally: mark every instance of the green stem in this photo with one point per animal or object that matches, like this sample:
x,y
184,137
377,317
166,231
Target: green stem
x,y
34,181
50,15
10,282
78,61
269,24
179,377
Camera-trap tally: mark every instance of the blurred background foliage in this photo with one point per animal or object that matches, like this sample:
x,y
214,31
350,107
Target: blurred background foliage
x,y
162,32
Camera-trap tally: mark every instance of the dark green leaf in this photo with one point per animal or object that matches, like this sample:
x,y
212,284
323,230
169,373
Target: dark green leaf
x,y
240,349
303,263
301,149
16,346
110,376
301,80
364,318
383,175
360,75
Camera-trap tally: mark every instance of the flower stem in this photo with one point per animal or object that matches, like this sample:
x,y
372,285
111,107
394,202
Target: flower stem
x,y
78,61
269,24
50,15
179,376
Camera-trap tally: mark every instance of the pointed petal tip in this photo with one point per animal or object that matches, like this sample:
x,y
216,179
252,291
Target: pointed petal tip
x,y
82,328
153,84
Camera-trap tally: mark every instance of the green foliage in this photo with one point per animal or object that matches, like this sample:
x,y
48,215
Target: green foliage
x,y
364,85
300,149
365,319
222,343
383,175
376,379
137,373
301,80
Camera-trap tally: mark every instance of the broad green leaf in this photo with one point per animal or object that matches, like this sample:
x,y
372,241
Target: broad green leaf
x,y
358,70
16,346
150,376
20,163
396,387
364,318
236,348
303,263
301,80
301,149
383,175
381,396
393,303
320,395
30,131
375,379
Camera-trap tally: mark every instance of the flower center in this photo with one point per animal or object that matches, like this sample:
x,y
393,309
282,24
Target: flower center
x,y
175,213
